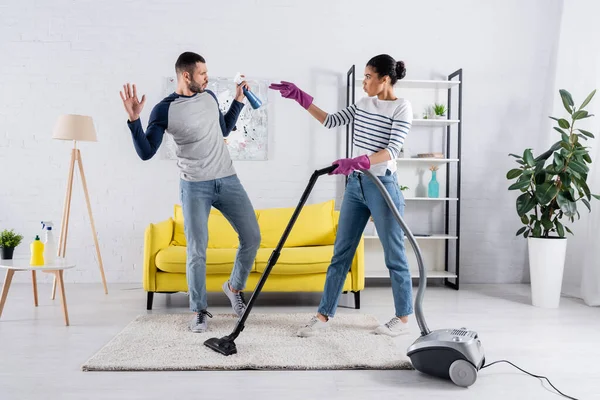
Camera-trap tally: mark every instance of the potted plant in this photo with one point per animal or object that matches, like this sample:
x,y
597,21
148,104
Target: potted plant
x,y
8,241
552,185
439,110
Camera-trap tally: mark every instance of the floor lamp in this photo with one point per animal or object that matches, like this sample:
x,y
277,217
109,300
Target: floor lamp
x,y
78,128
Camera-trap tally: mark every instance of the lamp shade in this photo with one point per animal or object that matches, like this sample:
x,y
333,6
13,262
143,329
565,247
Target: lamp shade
x,y
75,127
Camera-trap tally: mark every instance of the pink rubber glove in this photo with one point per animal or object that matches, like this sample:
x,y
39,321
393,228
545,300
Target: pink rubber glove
x,y
348,165
291,91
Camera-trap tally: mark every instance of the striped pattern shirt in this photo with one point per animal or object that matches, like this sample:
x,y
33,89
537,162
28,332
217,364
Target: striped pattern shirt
x,y
378,125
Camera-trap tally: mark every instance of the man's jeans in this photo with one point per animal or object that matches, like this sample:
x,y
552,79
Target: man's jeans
x,y
362,199
228,196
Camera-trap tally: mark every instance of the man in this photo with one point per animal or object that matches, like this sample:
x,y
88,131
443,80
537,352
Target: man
x,y
207,176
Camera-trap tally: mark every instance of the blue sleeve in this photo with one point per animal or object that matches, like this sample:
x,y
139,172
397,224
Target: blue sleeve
x,y
147,144
228,120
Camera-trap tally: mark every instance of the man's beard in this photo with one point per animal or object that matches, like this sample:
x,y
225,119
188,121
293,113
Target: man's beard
x,y
195,87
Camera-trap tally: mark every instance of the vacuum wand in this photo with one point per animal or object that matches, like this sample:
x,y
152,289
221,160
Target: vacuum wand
x,y
226,344
422,271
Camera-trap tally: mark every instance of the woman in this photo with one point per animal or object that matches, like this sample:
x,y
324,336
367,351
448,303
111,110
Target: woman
x,y
381,123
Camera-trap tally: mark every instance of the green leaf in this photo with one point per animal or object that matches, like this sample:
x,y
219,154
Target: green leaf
x,y
546,223
559,228
546,192
560,130
520,231
587,133
569,208
532,218
537,230
540,177
559,161
569,195
597,197
587,158
519,185
567,100
526,234
566,138
568,230
515,156
525,220
528,157
584,186
581,114
578,167
514,173
563,123
525,203
587,204
588,99
581,136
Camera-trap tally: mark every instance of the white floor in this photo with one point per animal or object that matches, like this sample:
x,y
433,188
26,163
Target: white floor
x,y
40,358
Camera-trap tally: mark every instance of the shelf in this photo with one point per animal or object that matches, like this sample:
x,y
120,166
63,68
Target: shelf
x,y
432,237
427,160
413,274
421,84
430,199
434,122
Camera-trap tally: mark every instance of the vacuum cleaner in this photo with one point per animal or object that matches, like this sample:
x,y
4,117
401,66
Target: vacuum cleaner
x,y
454,354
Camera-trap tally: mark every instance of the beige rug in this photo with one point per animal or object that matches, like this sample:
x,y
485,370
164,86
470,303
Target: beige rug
x,y
162,342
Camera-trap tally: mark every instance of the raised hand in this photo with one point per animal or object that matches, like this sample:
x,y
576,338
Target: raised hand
x,y
133,106
291,91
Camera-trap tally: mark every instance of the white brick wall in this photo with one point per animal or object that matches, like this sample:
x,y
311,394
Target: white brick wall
x,y
73,56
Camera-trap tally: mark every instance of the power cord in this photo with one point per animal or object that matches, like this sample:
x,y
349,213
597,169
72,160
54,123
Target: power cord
x,y
528,373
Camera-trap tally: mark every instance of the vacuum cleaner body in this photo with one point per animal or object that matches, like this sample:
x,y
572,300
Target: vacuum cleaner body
x,y
454,354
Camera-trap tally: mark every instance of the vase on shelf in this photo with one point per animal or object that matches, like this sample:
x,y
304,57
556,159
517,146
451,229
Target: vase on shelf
x,y
433,190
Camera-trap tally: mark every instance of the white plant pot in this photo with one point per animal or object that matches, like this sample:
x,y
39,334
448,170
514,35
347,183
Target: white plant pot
x,y
546,266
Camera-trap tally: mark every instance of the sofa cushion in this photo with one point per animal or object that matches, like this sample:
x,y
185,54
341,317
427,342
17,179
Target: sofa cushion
x,y
221,234
314,226
173,258
296,260
178,231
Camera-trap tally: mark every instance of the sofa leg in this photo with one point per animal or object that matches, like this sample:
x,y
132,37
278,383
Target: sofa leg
x,y
357,300
150,299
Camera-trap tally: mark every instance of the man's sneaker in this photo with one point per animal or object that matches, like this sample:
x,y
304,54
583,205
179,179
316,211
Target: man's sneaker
x,y
314,327
394,327
237,300
199,323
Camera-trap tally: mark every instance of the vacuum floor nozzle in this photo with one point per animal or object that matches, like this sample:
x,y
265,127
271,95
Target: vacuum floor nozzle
x,y
224,345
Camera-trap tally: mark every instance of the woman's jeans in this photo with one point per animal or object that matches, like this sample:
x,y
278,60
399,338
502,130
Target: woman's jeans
x,y
361,200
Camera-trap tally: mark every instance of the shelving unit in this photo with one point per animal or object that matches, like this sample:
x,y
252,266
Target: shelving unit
x,y
441,248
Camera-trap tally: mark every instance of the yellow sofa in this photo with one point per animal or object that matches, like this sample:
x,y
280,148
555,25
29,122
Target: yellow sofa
x,y
301,267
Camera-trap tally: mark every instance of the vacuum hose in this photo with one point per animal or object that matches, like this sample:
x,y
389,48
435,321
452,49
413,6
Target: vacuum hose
x,y
422,272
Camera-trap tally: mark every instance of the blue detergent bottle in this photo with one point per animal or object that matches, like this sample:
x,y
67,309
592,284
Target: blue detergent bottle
x,y
252,98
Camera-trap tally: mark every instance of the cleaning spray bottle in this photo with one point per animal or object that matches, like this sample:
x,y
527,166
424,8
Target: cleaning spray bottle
x,y
252,98
49,242
37,252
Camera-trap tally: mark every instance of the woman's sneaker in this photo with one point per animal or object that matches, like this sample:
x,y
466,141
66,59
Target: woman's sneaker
x,y
394,327
314,327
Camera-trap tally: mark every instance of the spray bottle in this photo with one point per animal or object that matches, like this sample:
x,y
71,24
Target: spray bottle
x,y
49,242
252,98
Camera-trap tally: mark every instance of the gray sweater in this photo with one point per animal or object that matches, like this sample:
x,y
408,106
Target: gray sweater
x,y
197,127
